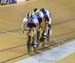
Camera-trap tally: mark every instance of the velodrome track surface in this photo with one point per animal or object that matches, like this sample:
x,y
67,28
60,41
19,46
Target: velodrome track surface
x,y
54,55
14,49
13,43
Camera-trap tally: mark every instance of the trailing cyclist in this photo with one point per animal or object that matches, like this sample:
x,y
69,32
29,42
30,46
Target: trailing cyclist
x,y
44,18
47,16
41,20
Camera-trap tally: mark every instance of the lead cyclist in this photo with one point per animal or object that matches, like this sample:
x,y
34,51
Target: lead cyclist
x,y
30,23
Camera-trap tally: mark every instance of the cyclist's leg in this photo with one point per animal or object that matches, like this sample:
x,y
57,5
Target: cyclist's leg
x,y
38,39
29,45
35,43
40,31
41,36
48,27
44,36
44,39
48,33
29,42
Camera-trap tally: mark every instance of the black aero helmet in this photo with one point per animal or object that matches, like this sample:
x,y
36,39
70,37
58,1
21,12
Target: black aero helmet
x,y
28,15
42,9
35,9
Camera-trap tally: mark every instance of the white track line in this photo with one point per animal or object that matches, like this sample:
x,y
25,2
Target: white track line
x,y
52,55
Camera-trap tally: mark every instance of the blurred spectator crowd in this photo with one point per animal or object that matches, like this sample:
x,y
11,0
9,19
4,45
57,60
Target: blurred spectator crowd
x,y
4,2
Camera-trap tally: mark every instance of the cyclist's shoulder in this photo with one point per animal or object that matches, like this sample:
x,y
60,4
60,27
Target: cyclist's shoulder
x,y
25,19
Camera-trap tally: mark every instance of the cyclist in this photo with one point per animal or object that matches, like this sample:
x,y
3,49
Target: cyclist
x,y
47,16
30,23
41,20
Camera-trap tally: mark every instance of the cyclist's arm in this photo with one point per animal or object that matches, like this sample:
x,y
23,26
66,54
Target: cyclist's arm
x,y
24,25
